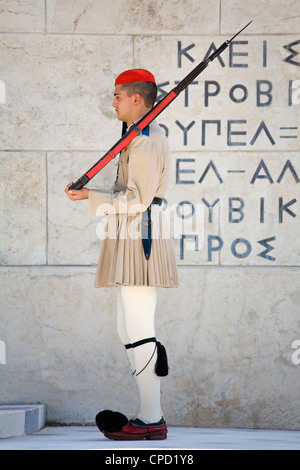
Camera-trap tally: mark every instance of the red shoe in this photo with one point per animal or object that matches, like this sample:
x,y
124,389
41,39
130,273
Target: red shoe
x,y
137,430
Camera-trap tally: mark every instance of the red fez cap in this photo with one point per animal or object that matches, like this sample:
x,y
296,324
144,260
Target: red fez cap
x,y
135,75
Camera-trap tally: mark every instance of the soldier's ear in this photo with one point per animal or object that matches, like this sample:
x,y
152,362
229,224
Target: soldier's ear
x,y
137,98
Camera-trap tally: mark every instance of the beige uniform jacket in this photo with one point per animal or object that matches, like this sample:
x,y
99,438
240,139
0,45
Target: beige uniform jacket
x,y
143,172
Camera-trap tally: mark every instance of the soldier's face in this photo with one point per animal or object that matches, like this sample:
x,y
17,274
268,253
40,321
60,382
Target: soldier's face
x,y
123,104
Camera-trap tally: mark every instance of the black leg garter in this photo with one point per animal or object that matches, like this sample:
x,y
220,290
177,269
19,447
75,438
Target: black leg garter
x,y
161,366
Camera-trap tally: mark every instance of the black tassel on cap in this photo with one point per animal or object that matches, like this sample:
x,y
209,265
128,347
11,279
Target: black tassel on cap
x,y
124,128
161,366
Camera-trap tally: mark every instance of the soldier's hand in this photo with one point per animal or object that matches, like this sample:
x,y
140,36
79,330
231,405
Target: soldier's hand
x,y
76,194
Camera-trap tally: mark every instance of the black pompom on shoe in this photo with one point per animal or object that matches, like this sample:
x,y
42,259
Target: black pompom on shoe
x,y
110,421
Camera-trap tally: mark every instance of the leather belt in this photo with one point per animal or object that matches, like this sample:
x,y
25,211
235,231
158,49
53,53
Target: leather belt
x,y
146,228
157,200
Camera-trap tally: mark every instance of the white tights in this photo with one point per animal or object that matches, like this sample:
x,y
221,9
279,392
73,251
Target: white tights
x,y
136,313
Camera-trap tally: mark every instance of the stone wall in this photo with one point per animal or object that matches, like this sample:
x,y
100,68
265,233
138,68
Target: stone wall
x,y
232,328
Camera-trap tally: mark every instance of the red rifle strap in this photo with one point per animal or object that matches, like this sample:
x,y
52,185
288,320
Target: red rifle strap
x,y
136,130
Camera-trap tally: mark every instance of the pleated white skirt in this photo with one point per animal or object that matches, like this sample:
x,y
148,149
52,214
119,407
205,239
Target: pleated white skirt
x,y
122,260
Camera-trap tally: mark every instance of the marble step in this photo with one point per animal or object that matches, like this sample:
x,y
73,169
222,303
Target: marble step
x,y
16,420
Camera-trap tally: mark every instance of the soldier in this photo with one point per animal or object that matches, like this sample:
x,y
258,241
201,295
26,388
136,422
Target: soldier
x,y
137,256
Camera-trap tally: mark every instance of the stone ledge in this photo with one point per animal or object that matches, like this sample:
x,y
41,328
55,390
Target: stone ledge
x,y
16,420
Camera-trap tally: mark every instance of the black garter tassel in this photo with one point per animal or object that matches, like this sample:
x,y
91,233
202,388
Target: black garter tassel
x,y
161,366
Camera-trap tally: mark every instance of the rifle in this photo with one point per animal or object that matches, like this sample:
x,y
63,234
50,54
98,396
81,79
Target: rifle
x,y
137,128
